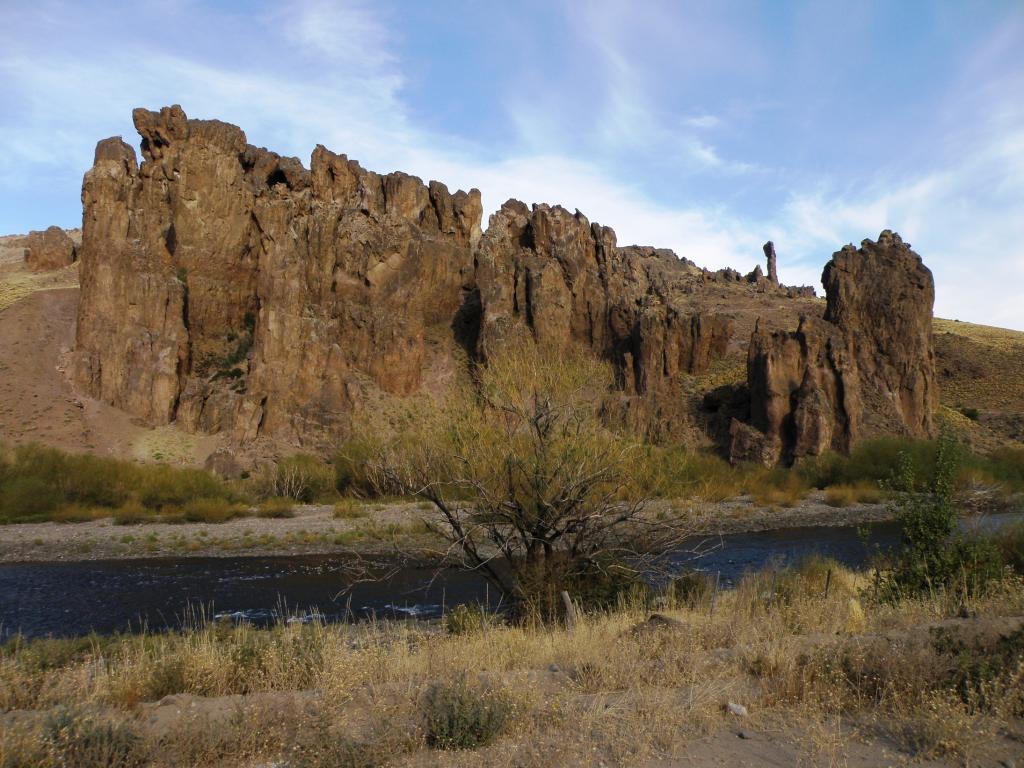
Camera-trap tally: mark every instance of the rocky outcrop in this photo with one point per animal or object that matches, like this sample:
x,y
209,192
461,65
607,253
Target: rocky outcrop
x,y
229,288
769,255
51,249
553,275
866,368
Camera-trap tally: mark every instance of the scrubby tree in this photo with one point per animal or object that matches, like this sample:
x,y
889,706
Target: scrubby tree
x,y
534,491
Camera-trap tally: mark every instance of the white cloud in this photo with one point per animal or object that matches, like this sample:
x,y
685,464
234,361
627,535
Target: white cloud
x,y
702,121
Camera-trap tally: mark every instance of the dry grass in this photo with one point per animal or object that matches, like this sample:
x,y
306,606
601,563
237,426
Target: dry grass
x,y
349,509
979,366
604,692
17,283
847,495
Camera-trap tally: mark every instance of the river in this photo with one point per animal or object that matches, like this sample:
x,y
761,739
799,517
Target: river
x,y
75,598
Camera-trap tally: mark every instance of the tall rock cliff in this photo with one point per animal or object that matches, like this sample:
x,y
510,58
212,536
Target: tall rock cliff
x,y
231,289
867,368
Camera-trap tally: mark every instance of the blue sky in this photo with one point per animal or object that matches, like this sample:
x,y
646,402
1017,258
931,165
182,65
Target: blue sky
x,y
703,127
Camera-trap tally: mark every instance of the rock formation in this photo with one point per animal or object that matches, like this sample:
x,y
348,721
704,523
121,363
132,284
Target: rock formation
x,y
560,278
867,368
769,255
231,289
48,250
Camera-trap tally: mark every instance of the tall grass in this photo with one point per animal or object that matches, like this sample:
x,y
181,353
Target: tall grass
x,y
42,483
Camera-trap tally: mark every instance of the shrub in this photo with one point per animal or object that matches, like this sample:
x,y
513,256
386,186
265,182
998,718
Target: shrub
x,y
130,513
461,716
300,477
26,499
930,558
689,588
846,495
840,496
463,620
276,506
349,509
211,510
1010,542
351,466
675,472
77,513
76,741
162,486
970,413
775,487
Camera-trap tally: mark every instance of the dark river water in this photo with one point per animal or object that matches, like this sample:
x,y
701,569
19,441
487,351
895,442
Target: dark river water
x,y
62,599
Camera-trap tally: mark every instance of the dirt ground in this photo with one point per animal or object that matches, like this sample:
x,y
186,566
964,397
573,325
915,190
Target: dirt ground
x,y
381,527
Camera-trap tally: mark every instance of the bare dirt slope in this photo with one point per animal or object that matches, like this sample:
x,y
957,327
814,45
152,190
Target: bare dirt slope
x,y
37,327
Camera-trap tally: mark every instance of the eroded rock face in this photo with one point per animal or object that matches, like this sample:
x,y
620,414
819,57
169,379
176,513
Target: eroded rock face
x,y
231,289
881,295
51,249
867,368
553,275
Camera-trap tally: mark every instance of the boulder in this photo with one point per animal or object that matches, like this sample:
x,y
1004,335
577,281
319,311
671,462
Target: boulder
x,y
51,249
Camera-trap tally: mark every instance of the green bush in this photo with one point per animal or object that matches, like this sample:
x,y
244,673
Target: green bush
x,y
301,477
163,486
131,513
350,466
931,559
28,499
689,587
1010,543
461,716
468,620
42,483
349,509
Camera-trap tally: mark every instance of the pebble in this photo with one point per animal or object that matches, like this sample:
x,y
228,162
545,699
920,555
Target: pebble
x,y
736,709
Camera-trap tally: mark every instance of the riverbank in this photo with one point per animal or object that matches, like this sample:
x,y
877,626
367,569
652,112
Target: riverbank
x,y
370,527
813,677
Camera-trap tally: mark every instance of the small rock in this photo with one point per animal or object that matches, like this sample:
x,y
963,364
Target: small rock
x,y
554,668
743,735
736,709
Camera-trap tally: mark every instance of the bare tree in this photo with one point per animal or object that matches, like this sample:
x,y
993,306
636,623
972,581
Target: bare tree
x,y
529,484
